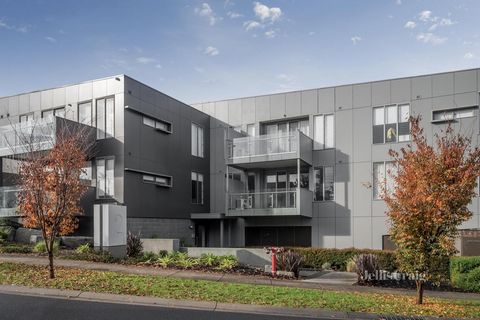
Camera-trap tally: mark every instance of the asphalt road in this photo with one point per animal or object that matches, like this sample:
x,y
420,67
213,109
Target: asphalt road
x,y
21,307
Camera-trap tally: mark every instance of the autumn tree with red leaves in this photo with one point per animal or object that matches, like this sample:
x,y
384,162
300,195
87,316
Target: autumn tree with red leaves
x,y
51,185
433,187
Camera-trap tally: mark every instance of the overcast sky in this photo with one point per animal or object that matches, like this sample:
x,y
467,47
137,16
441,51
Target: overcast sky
x,y
209,50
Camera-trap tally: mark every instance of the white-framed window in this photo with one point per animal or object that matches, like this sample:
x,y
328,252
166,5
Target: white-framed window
x,y
324,131
85,113
452,114
383,177
324,183
58,112
160,125
391,123
197,140
197,188
251,130
105,177
24,118
163,181
105,116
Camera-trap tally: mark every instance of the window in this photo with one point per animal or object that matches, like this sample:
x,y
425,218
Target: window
x,y
26,117
324,184
447,115
163,181
105,118
59,112
197,188
160,125
251,130
197,140
383,173
390,123
105,177
324,131
85,113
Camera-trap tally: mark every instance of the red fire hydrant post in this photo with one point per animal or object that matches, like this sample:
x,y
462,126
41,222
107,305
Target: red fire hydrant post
x,y
274,261
273,252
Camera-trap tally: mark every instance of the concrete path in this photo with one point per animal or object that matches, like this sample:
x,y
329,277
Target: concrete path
x,y
332,280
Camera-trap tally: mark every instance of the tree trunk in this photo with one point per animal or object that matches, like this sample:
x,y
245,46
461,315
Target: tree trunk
x,y
50,261
419,291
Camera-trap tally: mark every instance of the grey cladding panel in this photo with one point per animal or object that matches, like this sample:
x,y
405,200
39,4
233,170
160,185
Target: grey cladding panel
x,y
59,97
248,110
443,102
343,136
400,90
362,137
47,99
465,81
24,101
362,95
293,104
277,106
262,108
221,111
235,112
343,97
421,87
466,99
380,93
309,102
326,100
442,84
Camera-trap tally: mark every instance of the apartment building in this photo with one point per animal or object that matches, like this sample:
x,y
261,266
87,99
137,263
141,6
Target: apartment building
x,y
296,168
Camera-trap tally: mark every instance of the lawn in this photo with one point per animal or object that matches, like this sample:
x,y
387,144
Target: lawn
x,y
144,285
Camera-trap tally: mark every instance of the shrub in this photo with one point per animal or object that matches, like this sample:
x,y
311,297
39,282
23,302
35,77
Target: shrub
x,y
187,263
162,253
41,247
134,245
92,255
326,266
314,258
15,248
351,266
165,261
290,261
209,260
83,248
227,263
465,273
365,264
149,257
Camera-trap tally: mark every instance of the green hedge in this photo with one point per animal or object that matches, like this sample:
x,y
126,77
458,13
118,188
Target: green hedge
x,y
465,273
315,257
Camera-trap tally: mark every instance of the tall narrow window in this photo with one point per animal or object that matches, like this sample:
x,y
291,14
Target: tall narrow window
x,y
324,183
197,140
105,118
403,122
324,131
85,113
383,178
197,188
251,130
391,124
105,177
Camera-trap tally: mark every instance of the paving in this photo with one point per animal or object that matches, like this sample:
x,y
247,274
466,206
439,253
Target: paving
x,y
337,281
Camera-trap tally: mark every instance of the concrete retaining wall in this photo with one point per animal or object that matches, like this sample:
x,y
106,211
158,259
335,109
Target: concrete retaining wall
x,y
74,242
24,235
251,257
157,245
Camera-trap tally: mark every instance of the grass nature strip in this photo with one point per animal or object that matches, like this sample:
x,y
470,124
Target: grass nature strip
x,y
172,288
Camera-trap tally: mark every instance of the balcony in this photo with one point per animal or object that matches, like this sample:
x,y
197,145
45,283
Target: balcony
x,y
8,201
270,150
271,203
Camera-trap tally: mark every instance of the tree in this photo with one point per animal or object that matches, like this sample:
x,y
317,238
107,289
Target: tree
x,y
433,187
50,180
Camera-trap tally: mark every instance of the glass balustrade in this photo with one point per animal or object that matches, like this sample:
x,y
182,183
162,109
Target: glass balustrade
x,y
263,200
263,145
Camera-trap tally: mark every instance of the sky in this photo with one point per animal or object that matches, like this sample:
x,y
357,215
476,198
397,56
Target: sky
x,y
210,50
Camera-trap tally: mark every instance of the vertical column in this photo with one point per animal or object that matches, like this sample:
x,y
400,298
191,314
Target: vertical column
x,y
221,233
297,200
